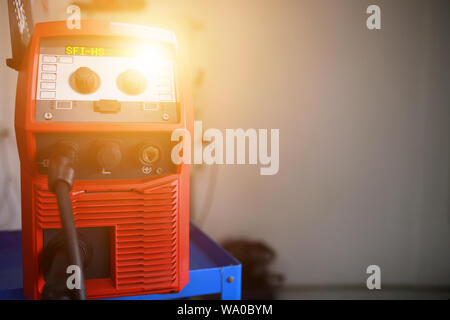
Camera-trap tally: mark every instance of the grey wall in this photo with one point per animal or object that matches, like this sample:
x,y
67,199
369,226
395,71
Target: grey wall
x,y
364,132
364,126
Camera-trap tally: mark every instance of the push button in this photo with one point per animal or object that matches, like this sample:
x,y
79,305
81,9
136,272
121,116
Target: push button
x,y
107,106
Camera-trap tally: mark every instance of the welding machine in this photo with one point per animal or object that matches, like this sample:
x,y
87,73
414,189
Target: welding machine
x,y
95,109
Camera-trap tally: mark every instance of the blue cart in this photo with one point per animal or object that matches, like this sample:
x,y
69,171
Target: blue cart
x,y
212,270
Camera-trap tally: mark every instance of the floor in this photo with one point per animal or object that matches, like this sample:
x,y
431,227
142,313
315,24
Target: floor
x,y
349,293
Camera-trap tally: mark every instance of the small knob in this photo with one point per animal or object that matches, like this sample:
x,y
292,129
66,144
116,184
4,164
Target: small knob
x,y
109,156
84,80
131,82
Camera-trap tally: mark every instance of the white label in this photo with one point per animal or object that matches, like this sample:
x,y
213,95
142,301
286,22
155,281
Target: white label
x,y
65,60
49,67
48,76
64,105
151,106
48,85
48,94
49,59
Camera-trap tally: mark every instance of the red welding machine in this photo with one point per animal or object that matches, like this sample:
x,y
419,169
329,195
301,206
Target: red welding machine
x,y
97,105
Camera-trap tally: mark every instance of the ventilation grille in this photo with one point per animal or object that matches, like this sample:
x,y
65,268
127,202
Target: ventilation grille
x,y
146,227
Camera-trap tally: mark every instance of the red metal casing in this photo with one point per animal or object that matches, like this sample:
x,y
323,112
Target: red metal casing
x,y
149,217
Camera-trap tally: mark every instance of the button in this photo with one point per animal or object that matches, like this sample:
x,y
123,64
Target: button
x,y
67,105
49,59
48,94
65,59
151,106
107,106
49,67
48,76
48,85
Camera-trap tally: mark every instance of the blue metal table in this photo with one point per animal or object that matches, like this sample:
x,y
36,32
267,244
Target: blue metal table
x,y
212,270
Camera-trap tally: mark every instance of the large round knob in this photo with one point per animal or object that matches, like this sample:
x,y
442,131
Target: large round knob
x,y
84,80
131,82
109,155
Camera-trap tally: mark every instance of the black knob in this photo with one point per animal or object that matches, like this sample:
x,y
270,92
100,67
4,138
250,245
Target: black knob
x,y
84,80
109,156
131,82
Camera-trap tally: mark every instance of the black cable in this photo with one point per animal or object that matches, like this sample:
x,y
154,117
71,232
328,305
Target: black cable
x,y
62,192
61,172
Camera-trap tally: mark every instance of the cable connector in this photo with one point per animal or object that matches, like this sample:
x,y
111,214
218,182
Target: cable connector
x,y
62,163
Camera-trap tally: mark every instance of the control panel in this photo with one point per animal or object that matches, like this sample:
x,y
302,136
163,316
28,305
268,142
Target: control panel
x,y
98,81
111,155
107,81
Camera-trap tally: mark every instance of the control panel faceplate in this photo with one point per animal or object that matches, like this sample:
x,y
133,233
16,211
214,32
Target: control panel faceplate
x,y
111,155
92,81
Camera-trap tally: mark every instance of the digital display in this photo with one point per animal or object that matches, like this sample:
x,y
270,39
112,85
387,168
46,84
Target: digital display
x,y
130,51
95,51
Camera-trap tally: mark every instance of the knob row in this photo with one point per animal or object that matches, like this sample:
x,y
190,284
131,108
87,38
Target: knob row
x,y
85,81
